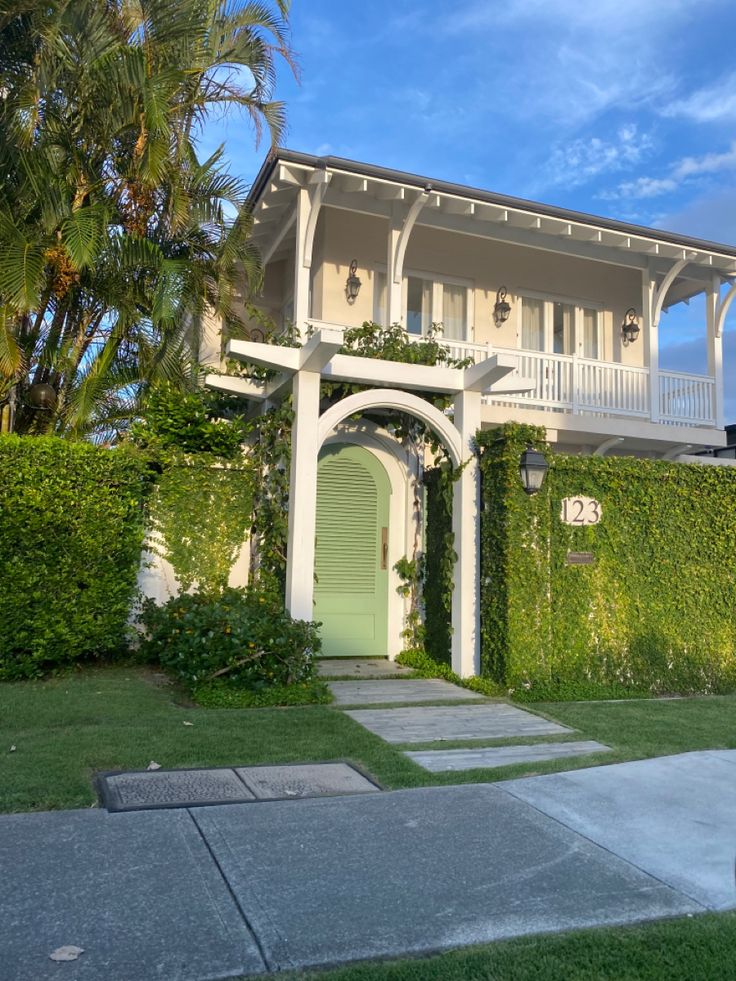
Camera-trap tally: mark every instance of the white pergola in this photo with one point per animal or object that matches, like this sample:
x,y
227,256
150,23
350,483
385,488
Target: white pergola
x,y
390,385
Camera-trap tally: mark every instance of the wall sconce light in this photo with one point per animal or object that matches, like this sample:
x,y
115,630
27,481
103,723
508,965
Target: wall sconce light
x,y
630,327
533,468
352,286
502,309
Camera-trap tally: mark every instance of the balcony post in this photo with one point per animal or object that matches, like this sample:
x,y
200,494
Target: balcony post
x,y
575,381
302,270
715,350
651,339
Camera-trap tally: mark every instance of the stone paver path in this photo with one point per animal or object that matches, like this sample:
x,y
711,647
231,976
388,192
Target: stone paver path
x,y
442,722
445,760
360,667
388,692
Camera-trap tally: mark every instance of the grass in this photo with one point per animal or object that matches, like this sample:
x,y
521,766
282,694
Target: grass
x,y
111,718
702,947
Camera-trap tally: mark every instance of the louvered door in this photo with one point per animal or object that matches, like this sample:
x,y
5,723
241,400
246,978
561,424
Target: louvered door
x,y
351,578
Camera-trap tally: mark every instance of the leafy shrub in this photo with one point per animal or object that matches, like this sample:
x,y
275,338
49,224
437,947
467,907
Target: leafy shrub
x,y
243,637
190,421
71,528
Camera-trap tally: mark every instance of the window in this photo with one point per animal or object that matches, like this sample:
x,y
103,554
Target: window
x,y
428,300
559,327
418,304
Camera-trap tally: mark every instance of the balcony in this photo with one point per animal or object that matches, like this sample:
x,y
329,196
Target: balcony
x,y
579,386
568,383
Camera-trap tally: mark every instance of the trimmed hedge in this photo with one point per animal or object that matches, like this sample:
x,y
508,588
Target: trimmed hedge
x,y
657,610
71,530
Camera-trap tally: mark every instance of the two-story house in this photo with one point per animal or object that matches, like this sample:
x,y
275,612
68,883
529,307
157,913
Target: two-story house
x,y
559,311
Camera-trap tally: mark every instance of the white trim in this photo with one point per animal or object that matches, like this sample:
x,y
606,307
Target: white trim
x,y
389,398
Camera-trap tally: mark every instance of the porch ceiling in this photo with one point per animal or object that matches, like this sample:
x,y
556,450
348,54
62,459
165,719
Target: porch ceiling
x,y
375,191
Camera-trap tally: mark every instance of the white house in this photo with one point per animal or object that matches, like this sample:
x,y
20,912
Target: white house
x,y
559,311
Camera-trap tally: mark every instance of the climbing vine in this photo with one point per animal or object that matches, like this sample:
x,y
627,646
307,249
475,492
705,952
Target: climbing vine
x,y
653,612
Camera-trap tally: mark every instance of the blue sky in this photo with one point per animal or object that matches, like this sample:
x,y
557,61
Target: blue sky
x,y
624,108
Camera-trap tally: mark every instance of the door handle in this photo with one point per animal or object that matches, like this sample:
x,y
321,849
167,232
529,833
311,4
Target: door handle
x,y
384,548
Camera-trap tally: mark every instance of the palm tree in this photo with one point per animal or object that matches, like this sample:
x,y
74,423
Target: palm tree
x,y
115,237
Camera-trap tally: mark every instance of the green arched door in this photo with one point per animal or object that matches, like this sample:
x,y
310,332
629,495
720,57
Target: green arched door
x,y
351,555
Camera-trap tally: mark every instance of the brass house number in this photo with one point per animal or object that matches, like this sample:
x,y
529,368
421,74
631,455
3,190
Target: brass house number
x,y
580,511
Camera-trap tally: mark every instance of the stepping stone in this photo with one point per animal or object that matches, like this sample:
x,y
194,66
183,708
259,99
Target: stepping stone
x,y
388,692
305,780
360,667
442,760
171,788
429,724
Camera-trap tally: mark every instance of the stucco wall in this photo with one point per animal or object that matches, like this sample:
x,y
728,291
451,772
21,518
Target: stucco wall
x,y
343,236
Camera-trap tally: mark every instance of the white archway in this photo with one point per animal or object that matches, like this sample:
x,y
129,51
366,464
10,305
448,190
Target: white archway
x,y
389,398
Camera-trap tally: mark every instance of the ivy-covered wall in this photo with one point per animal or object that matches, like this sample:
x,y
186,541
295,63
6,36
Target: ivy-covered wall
x,y
656,611
200,514
71,528
439,564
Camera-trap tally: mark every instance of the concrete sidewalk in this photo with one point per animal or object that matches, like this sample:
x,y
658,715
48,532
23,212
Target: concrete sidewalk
x,y
215,892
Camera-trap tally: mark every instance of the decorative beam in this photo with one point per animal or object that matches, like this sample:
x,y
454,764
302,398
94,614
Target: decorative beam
x,y
659,294
236,386
268,253
607,444
675,451
723,304
481,376
318,184
403,240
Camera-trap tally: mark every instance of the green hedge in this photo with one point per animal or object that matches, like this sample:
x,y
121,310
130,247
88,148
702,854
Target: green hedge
x,y
656,611
71,528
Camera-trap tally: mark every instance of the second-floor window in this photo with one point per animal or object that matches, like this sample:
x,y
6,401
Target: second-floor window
x,y
559,327
428,300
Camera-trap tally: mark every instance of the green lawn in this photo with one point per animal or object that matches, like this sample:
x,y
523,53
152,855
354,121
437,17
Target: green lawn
x,y
699,949
111,718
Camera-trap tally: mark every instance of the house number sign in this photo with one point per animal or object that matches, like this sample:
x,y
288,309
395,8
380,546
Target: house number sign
x,y
580,511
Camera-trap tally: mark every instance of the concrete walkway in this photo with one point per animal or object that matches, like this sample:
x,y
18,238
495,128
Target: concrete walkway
x,y
214,892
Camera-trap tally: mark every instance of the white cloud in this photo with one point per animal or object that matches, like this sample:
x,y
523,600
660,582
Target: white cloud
x,y
713,103
573,163
680,172
643,187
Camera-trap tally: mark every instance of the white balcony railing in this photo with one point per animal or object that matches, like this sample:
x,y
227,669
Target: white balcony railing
x,y
582,386
686,399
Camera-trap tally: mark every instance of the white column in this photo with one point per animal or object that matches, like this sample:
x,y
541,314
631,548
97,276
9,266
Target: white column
x,y
466,528
302,269
303,496
715,350
393,289
650,331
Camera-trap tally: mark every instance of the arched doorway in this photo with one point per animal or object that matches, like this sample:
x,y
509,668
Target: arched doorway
x,y
351,552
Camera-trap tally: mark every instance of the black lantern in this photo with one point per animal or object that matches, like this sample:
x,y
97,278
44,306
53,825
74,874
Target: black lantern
x,y
532,468
352,286
502,309
630,326
42,396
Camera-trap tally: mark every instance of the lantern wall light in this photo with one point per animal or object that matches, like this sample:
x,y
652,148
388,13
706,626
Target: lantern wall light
x,y
353,284
630,327
533,468
42,396
502,308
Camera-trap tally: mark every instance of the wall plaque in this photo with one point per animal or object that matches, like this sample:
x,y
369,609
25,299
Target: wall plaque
x,y
580,511
580,558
